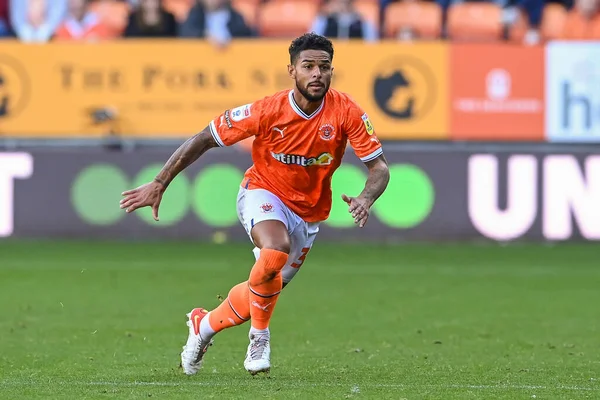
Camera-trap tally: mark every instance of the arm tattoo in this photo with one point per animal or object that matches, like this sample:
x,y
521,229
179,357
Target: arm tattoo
x,y
185,155
379,176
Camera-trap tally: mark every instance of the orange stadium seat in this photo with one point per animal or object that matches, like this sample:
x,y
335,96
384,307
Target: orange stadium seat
x,y
579,28
553,21
114,14
369,10
421,17
286,18
474,22
179,8
551,28
596,27
248,9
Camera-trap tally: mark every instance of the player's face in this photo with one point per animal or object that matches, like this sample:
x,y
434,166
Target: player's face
x,y
312,73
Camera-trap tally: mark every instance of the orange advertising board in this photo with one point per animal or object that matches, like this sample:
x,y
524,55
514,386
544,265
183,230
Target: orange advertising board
x,y
496,92
164,88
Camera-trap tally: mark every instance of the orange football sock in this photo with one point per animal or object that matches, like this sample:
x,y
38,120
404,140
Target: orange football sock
x,y
234,310
265,284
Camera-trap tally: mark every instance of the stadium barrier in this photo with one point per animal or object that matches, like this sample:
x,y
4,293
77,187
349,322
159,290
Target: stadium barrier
x,y
433,196
412,91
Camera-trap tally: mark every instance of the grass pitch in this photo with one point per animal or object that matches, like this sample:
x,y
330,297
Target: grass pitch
x,y
107,320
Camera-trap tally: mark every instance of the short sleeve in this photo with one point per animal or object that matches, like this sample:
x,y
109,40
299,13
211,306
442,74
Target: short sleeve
x,y
361,134
236,124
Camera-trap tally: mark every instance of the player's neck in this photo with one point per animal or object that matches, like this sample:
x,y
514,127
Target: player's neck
x,y
309,107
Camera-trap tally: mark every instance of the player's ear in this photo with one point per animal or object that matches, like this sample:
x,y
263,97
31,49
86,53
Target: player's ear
x,y
292,71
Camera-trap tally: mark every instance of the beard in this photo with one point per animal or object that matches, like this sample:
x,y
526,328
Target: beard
x,y
312,97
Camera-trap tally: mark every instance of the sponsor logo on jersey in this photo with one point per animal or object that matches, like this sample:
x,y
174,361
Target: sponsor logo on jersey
x,y
240,113
303,161
368,124
327,132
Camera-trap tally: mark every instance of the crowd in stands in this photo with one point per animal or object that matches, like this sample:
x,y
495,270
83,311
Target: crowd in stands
x,y
527,21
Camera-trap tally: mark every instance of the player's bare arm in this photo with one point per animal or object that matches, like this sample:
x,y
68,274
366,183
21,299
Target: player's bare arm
x,y
185,155
379,176
150,194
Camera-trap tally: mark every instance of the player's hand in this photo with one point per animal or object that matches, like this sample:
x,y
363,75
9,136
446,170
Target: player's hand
x,y
148,195
359,208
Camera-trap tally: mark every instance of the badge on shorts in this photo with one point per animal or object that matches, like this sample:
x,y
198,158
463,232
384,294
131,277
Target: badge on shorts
x,y
266,207
368,124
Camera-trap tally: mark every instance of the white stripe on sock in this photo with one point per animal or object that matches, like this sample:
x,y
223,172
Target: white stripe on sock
x,y
206,331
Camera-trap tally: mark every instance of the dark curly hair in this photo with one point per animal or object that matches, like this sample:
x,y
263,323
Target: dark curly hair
x,y
310,41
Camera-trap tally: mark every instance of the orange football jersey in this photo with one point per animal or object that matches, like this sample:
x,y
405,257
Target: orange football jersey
x,y
295,155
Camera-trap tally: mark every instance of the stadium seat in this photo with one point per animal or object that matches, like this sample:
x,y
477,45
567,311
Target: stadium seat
x,y
114,14
474,22
179,8
369,10
553,21
579,28
424,18
551,28
248,9
286,18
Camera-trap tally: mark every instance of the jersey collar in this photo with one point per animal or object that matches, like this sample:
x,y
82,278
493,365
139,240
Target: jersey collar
x,y
299,111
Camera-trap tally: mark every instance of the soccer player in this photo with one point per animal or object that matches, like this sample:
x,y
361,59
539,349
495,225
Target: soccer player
x,y
300,136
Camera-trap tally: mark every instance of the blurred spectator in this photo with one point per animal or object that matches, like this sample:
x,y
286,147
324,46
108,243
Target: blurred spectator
x,y
4,18
216,20
341,20
587,8
36,20
150,19
583,21
533,9
81,24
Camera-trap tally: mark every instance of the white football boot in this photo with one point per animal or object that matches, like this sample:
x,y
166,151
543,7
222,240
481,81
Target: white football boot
x,y
195,348
258,355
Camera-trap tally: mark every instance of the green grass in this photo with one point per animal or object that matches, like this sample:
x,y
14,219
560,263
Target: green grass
x,y
106,320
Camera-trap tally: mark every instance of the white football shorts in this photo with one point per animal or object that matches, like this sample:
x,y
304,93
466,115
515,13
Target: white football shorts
x,y
256,205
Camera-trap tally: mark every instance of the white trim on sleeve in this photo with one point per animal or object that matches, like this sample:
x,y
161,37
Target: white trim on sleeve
x,y
215,134
373,155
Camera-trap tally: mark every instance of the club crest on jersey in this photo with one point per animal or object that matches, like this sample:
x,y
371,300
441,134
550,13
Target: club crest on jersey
x,y
327,132
294,159
240,113
368,124
266,207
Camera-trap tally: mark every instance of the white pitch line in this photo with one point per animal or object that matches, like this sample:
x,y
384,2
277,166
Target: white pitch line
x,y
307,385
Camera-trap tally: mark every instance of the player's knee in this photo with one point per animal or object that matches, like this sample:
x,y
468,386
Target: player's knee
x,y
272,235
282,245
